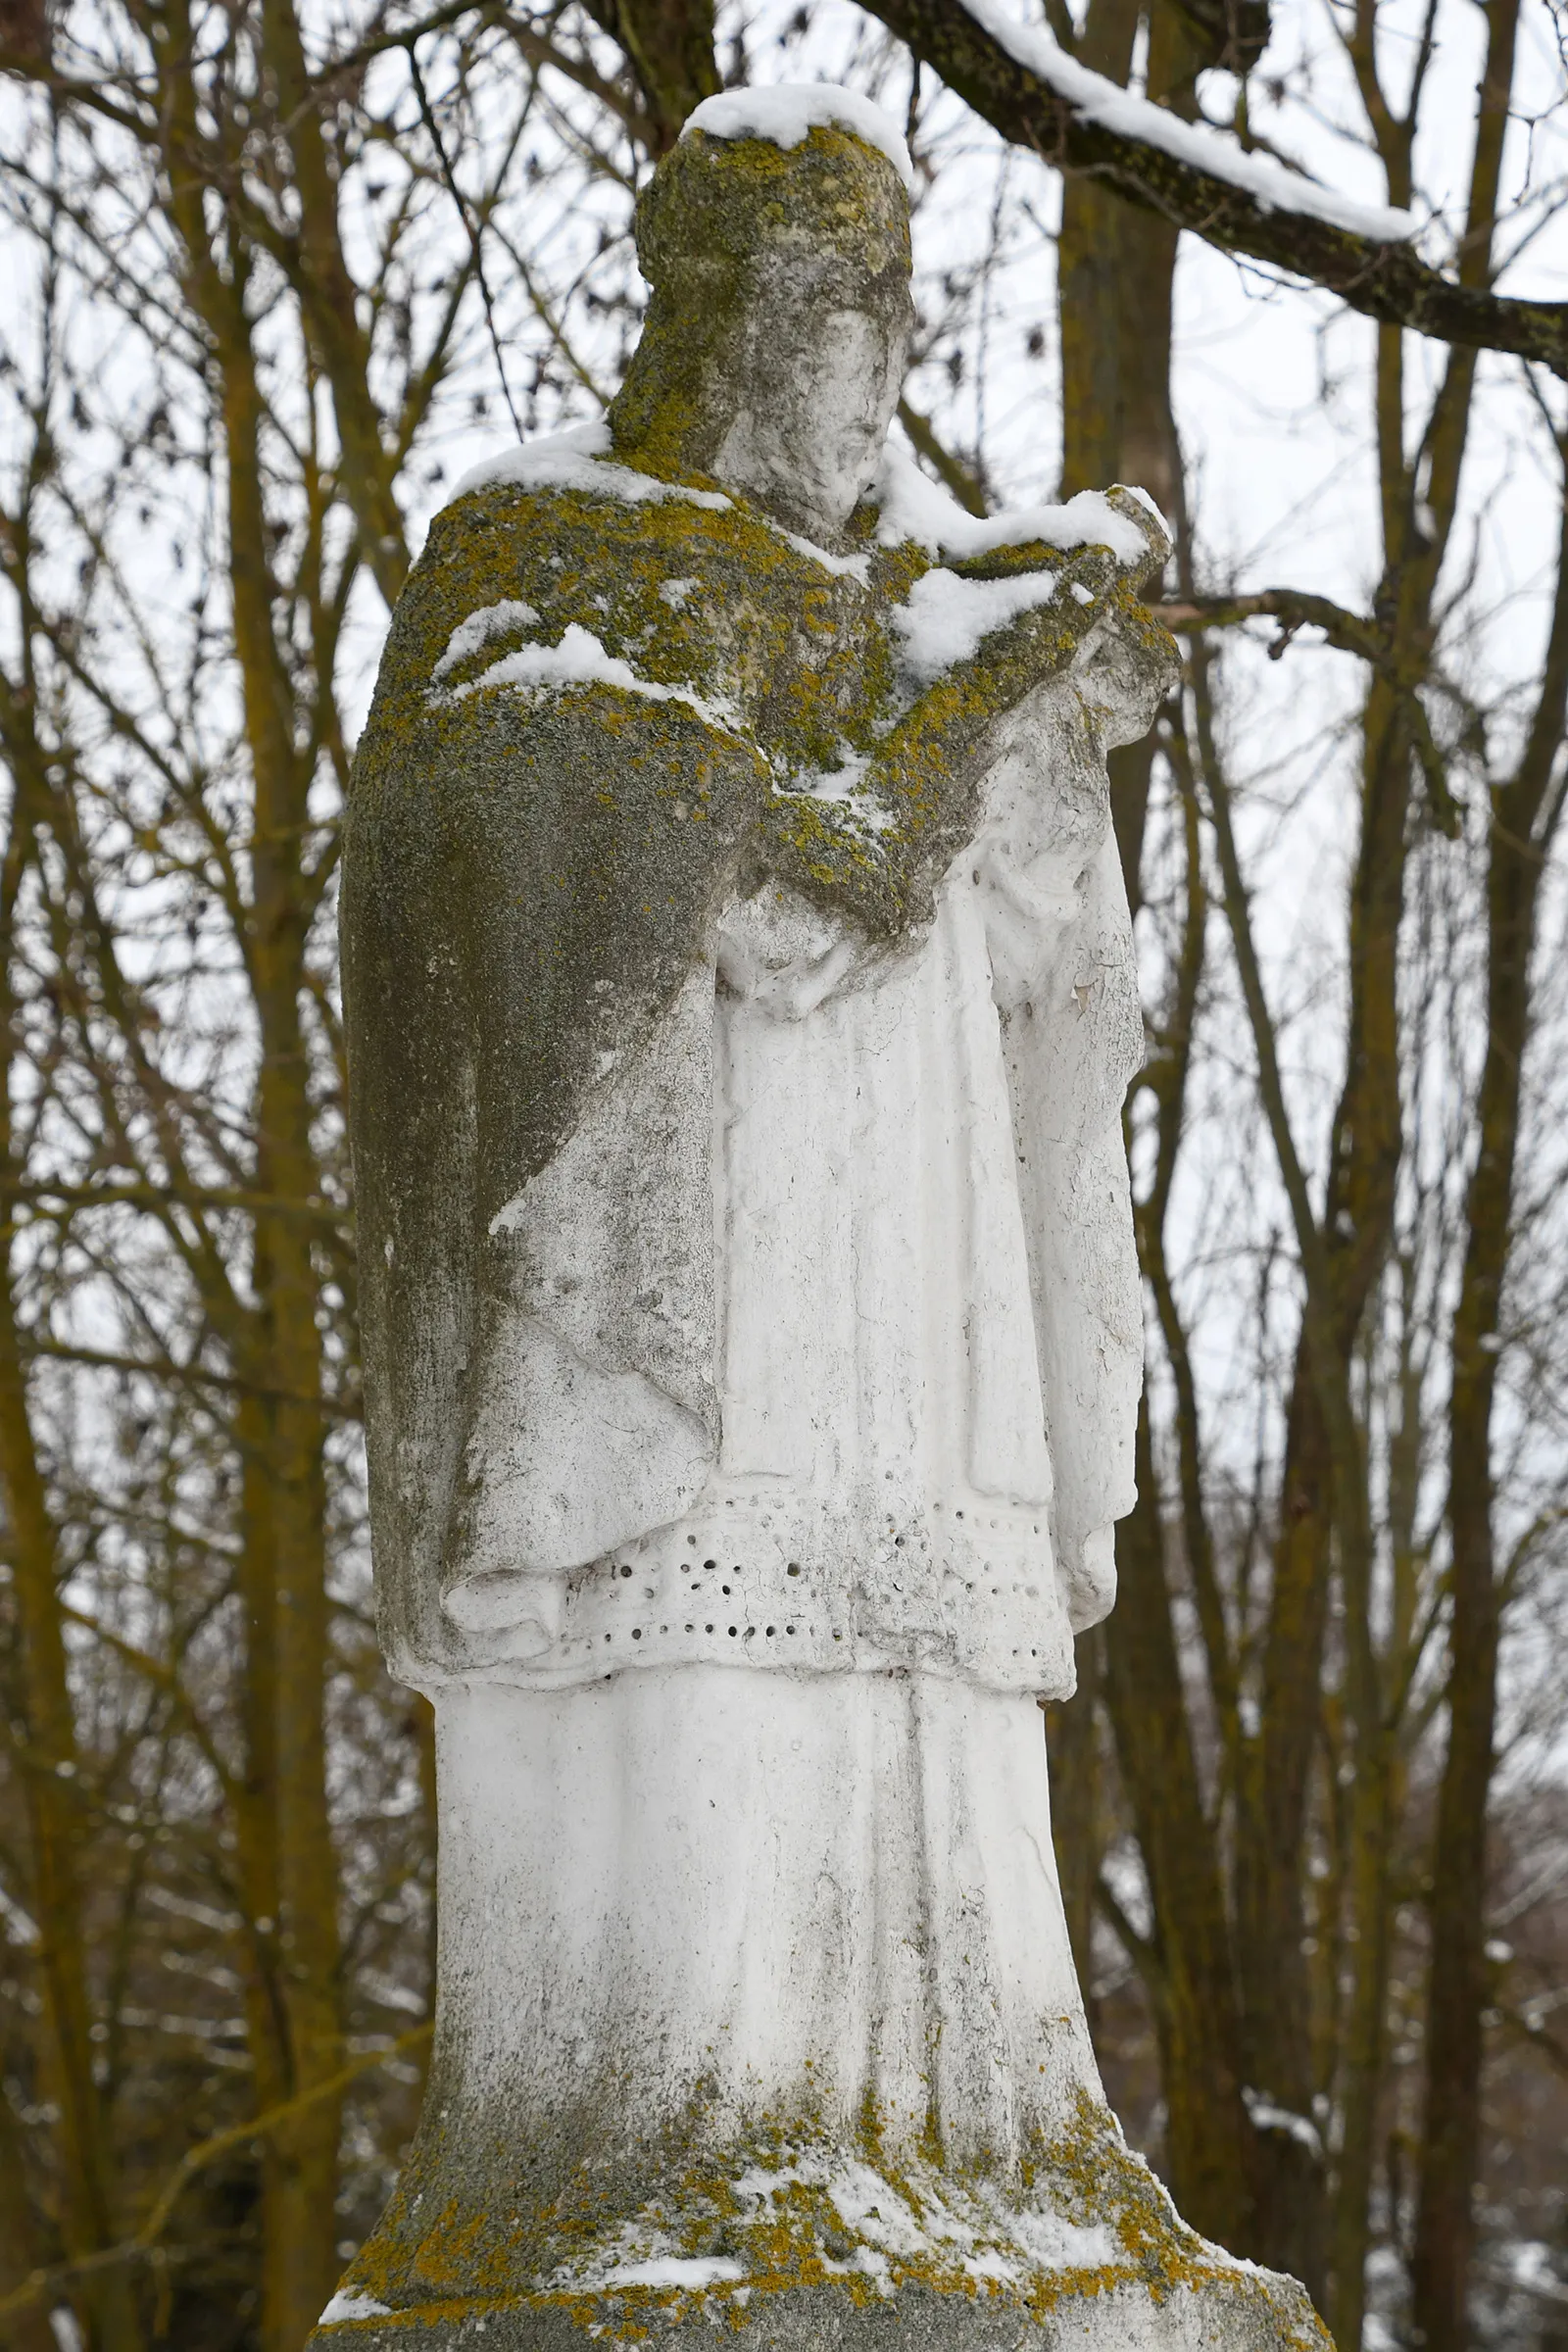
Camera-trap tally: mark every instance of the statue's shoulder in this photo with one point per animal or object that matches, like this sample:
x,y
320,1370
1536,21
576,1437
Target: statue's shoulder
x,y
980,606
917,520
556,560
968,616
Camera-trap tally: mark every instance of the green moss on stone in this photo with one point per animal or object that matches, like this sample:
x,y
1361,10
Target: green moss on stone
x,y
762,2205
718,216
722,604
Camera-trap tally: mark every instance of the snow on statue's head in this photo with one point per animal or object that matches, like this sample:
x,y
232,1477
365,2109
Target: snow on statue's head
x,y
775,238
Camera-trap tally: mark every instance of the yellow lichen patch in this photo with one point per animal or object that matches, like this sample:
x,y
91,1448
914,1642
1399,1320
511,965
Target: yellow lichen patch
x,y
798,2211
714,224
702,621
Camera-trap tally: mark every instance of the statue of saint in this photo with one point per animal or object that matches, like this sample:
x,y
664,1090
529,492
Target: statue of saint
x,y
740,998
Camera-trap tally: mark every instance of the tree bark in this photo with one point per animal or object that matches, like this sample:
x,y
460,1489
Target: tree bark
x,y
669,47
51,1768
1524,815
287,1859
29,2330
1208,2135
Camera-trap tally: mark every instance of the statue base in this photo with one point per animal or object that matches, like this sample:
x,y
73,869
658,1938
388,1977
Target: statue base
x,y
757,2013
793,2244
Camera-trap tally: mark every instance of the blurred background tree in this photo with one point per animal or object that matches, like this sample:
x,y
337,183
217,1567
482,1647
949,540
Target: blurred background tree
x,y
276,273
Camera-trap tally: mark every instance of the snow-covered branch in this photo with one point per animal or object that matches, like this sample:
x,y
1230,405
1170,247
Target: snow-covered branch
x,y
1018,78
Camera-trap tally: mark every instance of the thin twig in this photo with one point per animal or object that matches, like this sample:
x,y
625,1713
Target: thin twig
x,y
144,2244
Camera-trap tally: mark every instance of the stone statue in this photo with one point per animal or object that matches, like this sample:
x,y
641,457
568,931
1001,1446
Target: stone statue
x,y
740,999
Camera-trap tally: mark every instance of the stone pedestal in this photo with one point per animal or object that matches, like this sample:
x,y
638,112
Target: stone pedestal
x,y
759,2014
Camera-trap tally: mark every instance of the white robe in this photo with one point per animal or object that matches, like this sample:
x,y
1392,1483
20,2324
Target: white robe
x,y
923,1289
760,1801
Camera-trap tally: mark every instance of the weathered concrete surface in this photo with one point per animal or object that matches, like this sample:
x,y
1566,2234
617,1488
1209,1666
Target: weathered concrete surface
x,y
1217,2310
740,999
804,2237
813,2070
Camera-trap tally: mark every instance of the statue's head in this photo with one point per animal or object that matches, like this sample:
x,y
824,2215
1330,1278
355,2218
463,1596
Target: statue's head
x,y
774,344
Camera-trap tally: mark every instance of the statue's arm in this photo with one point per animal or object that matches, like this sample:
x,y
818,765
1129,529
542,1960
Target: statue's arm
x,y
1073,1044
1065,976
948,655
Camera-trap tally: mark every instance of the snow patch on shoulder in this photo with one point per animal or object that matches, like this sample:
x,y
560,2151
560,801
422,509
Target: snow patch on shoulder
x,y
353,2307
844,567
1135,490
581,659
945,617
671,2269
490,621
913,507
787,114
578,460
1201,147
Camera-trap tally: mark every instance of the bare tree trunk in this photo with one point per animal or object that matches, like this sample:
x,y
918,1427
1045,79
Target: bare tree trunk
x,y
670,46
291,1539
1115,272
1523,817
1358,1233
54,1831
29,2330
287,1850
52,1764
1078,1810
1273,1811
1208,2137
